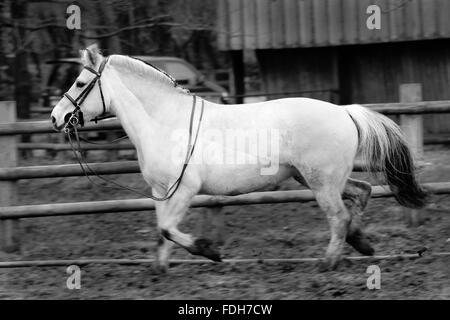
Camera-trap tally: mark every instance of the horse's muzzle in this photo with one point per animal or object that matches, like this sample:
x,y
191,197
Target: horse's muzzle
x,y
68,123
55,126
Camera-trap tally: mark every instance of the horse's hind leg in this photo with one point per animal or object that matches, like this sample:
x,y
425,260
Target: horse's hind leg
x,y
327,185
358,192
329,198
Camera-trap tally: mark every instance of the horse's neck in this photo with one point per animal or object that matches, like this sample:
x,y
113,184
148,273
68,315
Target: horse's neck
x,y
136,122
162,102
148,114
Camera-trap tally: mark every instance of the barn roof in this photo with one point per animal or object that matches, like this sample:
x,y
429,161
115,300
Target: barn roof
x,y
274,24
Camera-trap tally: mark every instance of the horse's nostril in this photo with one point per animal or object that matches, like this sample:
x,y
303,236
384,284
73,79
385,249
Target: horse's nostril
x,y
67,117
53,119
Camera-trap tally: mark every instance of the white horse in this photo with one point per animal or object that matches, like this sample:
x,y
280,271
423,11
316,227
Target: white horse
x,y
317,143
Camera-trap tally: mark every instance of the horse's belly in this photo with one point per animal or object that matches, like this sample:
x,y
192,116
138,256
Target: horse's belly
x,y
232,180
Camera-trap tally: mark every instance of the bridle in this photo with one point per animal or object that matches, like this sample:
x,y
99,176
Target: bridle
x,y
76,117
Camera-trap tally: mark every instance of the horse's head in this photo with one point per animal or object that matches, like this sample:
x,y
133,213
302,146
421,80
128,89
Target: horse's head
x,y
87,97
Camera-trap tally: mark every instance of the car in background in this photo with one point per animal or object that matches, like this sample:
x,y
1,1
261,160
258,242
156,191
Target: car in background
x,y
63,72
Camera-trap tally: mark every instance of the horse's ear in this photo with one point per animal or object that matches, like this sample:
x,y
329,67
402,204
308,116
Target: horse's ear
x,y
91,56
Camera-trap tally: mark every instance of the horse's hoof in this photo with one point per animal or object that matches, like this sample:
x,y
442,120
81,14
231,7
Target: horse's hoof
x,y
205,247
360,243
160,268
328,265
365,249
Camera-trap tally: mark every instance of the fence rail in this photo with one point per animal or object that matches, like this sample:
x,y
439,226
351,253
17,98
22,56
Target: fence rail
x,y
129,146
68,170
111,206
421,107
410,111
35,127
174,262
67,147
74,170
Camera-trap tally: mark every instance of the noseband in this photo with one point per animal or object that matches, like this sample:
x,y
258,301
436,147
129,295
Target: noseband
x,y
77,115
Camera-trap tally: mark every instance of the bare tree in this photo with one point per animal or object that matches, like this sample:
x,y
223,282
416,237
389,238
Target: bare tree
x,y
34,30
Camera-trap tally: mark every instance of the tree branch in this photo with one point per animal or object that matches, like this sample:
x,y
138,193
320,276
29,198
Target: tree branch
x,y
59,24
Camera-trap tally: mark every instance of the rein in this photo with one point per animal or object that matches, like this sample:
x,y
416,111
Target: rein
x,y
76,119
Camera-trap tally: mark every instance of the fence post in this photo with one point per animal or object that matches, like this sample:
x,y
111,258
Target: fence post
x,y
412,127
8,158
237,62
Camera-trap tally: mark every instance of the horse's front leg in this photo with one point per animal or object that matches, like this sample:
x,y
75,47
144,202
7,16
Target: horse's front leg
x,y
169,214
164,250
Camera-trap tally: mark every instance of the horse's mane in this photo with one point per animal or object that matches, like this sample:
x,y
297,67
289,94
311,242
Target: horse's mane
x,y
143,67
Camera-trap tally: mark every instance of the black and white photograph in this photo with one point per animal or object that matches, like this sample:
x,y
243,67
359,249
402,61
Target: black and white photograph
x,y
241,151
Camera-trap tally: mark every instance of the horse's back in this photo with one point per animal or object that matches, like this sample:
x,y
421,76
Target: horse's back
x,y
288,114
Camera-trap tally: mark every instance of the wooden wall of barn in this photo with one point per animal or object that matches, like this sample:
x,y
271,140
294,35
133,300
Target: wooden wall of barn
x,y
278,24
373,73
312,71
368,73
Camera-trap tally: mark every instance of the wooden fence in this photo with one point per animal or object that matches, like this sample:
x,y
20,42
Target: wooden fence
x,y
410,121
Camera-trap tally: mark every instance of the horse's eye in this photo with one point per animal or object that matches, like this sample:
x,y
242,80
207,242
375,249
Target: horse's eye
x,y
80,84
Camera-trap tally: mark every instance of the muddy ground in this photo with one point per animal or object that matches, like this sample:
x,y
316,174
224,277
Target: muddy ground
x,y
257,231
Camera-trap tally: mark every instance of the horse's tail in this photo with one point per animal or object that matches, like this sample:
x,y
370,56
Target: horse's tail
x,y
383,148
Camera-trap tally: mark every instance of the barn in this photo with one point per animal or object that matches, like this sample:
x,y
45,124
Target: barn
x,y
324,49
